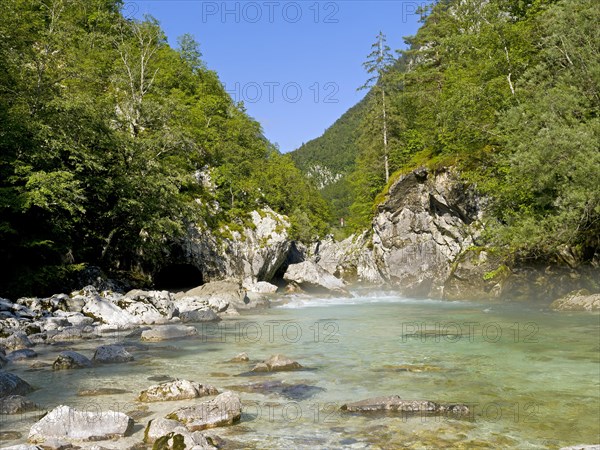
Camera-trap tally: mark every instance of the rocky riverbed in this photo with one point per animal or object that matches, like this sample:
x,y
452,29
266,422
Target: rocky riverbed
x,y
102,332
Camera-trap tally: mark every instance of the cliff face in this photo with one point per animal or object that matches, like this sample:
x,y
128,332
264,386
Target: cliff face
x,y
425,222
424,242
253,254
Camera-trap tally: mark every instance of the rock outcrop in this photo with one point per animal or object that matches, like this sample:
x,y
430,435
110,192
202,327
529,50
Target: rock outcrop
x,y
351,259
580,300
255,253
421,227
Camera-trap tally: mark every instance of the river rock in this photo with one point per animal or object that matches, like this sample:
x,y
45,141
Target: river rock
x,y
171,434
240,357
217,295
71,360
394,403
11,384
260,287
308,275
277,363
64,422
96,392
199,315
582,447
3,361
165,332
108,354
580,300
176,390
16,404
162,301
16,341
225,409
19,355
294,392
102,310
21,446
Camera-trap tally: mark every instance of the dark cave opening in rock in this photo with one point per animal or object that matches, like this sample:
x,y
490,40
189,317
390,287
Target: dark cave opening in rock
x,y
178,277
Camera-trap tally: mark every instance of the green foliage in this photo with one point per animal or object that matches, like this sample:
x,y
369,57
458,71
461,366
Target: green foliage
x,y
104,129
510,93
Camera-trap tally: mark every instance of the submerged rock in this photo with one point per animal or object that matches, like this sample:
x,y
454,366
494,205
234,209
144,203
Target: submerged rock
x,y
64,422
16,341
71,360
206,315
394,403
294,392
582,447
11,384
110,354
16,404
95,392
308,274
170,434
580,300
176,390
19,355
240,357
277,363
166,332
225,409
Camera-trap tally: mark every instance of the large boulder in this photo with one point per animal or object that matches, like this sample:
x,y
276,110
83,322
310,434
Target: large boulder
x,y
217,295
225,409
277,363
166,332
176,390
71,360
105,311
111,354
394,403
309,275
10,384
580,300
64,422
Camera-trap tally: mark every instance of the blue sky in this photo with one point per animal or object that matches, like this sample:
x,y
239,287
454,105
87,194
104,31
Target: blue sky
x,y
296,65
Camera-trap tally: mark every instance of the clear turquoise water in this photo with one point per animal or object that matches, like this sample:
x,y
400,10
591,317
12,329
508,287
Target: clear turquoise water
x,y
531,376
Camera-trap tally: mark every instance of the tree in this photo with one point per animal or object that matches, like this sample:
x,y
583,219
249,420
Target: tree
x,y
378,63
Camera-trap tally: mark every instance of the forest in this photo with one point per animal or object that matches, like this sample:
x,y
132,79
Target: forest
x,y
508,93
112,143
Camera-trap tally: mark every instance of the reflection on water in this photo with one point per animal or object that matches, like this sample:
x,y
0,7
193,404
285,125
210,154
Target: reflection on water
x,y
531,377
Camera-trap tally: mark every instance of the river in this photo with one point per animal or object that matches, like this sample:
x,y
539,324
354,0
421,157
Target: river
x,y
530,376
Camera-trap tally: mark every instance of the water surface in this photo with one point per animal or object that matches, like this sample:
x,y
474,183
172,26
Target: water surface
x,y
530,376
